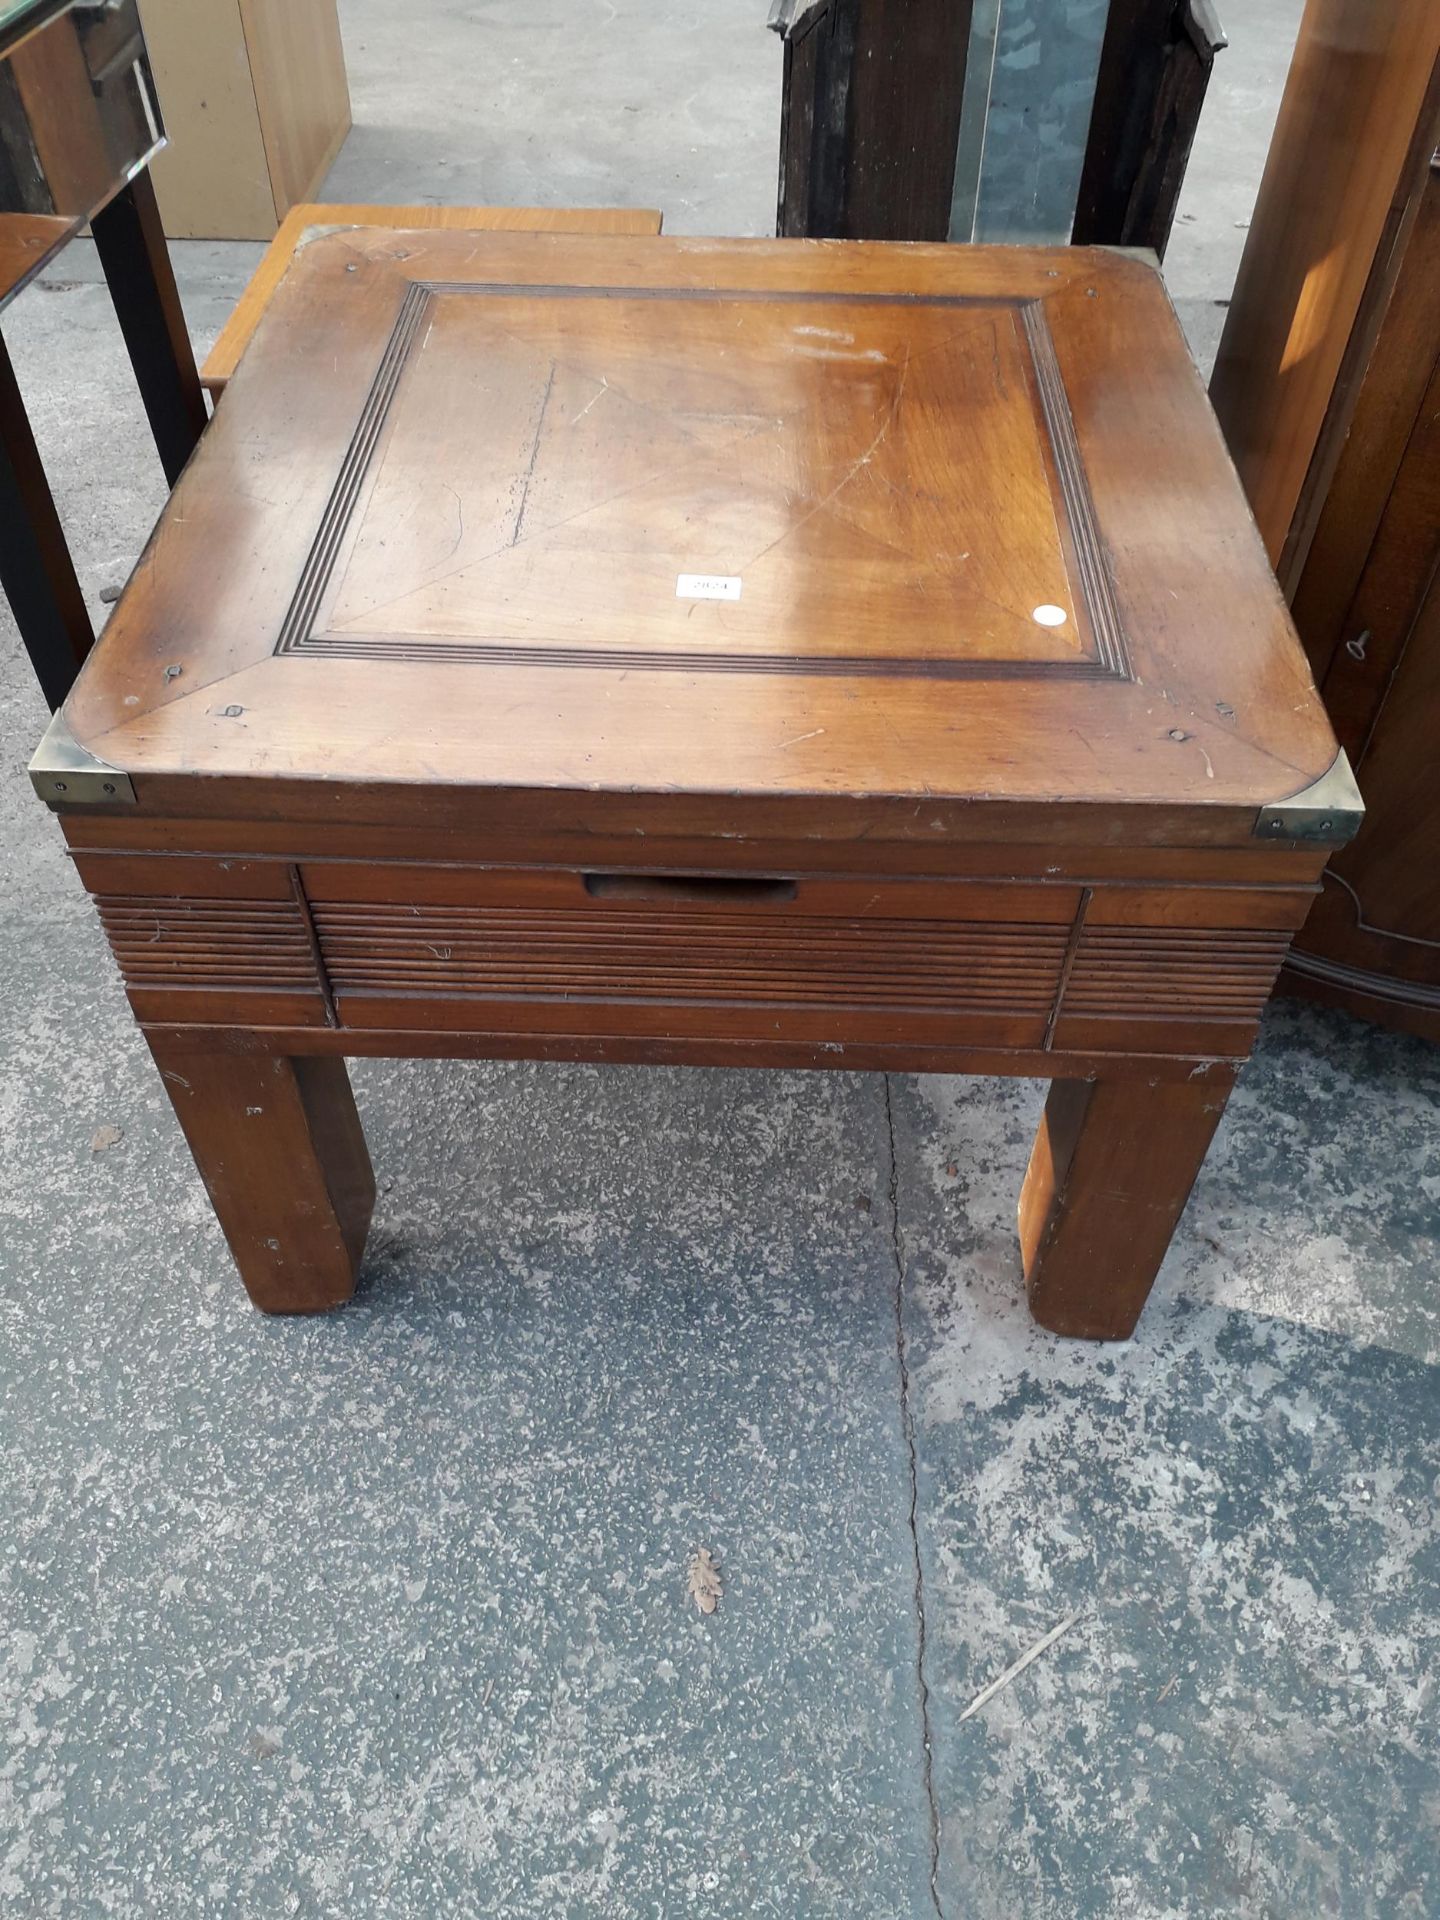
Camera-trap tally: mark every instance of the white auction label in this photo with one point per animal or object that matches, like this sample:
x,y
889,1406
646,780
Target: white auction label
x,y
708,586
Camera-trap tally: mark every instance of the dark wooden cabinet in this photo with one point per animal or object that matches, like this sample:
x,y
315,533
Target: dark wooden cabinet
x,y
1368,609
1326,388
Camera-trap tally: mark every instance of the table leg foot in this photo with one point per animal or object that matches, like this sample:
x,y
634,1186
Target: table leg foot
x,y
280,1149
1111,1170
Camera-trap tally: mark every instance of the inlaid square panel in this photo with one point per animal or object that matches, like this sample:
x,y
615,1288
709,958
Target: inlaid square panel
x,y
709,480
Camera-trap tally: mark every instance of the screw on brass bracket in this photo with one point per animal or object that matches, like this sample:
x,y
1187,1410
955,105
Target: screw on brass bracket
x,y
65,774
1326,813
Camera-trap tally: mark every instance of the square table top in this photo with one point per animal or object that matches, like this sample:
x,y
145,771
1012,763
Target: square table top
x,y
939,530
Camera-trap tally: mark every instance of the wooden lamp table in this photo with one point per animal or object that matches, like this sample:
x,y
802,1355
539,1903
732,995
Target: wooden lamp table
x,y
724,653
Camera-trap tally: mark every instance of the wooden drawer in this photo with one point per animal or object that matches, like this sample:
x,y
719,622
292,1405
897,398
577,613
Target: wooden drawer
x,y
822,960
693,955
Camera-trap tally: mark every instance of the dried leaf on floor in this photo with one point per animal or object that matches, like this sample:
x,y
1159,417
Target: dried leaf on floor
x,y
106,1137
704,1581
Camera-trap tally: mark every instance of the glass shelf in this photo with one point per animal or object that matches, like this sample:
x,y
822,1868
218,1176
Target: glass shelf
x,y
16,13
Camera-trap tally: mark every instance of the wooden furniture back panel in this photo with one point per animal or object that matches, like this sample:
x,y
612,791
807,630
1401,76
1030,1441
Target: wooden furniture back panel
x,y
212,181
870,119
298,65
1155,67
256,105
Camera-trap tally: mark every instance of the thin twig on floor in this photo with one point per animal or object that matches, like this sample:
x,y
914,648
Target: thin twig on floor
x,y
1019,1666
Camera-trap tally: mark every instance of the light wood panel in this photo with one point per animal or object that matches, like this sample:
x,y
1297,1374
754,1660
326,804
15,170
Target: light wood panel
x,y
297,65
224,356
256,106
57,92
212,181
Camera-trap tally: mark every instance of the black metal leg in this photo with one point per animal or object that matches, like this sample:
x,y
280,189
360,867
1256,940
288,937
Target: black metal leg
x,y
36,570
131,245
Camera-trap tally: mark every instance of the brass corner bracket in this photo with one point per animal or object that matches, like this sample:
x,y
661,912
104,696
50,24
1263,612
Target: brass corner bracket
x,y
65,774
1326,813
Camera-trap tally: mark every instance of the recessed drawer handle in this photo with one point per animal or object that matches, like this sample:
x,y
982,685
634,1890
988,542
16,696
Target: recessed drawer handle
x,y
678,888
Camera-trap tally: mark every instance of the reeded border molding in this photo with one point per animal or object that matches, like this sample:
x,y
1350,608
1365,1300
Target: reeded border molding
x,y
1110,660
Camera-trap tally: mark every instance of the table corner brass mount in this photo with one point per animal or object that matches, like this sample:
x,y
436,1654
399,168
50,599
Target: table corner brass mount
x,y
65,774
1328,812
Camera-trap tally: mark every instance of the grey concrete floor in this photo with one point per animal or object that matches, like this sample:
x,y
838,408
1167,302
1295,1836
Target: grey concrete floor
x,y
385,1614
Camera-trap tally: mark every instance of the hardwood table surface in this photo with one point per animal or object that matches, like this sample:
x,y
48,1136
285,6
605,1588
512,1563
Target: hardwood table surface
x,y
992,564
239,329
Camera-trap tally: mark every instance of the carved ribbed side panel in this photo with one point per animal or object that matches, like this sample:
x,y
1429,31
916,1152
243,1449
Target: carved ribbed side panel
x,y
1174,972
735,960
208,958
211,943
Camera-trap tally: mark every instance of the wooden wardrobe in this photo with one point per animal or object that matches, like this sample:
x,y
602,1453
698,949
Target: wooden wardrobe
x,y
1328,387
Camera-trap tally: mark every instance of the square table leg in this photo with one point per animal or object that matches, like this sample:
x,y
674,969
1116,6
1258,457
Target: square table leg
x,y
131,243
279,1146
1111,1170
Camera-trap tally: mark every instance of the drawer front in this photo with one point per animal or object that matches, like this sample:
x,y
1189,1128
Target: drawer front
x,y
691,955
407,947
